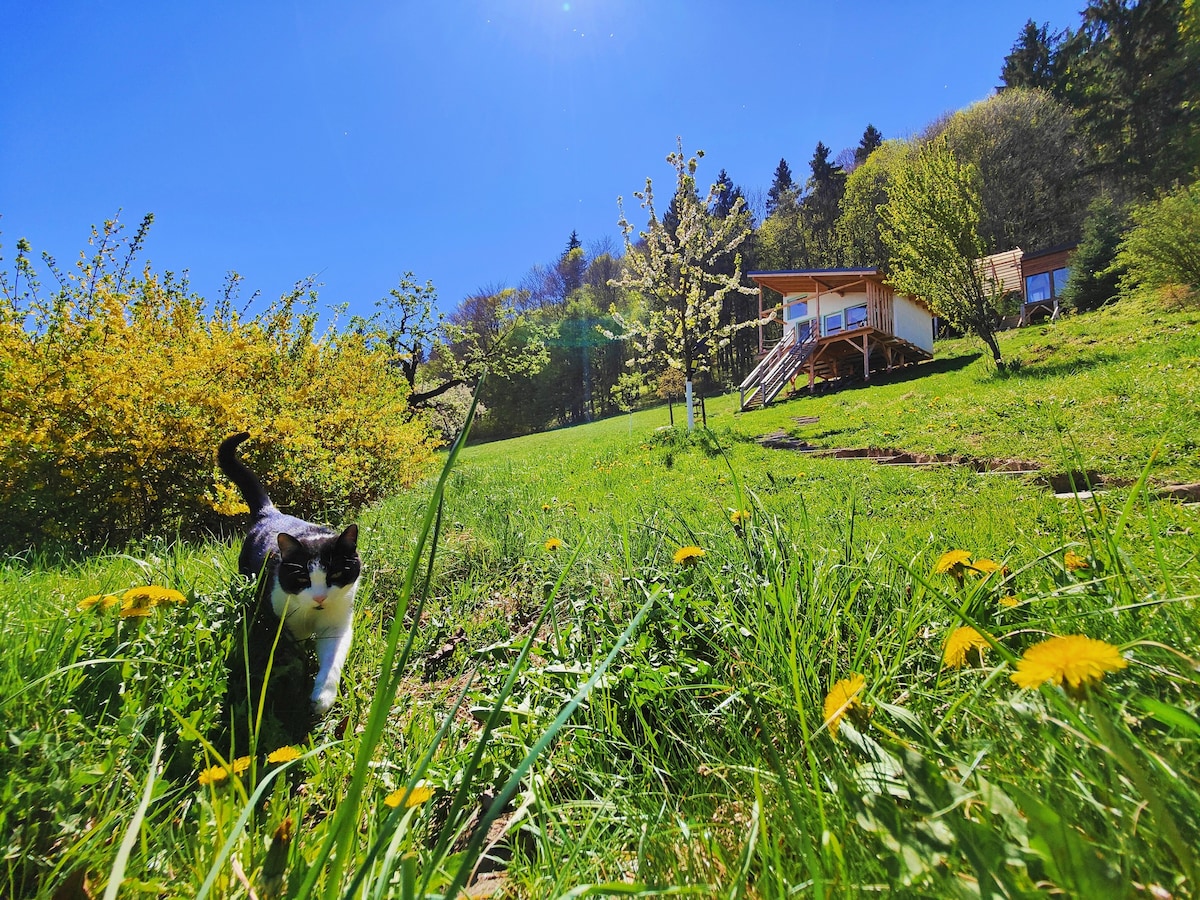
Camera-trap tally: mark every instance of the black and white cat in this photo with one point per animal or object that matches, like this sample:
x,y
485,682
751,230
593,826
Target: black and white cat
x,y
308,572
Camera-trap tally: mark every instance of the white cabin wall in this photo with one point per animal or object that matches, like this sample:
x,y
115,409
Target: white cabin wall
x,y
913,323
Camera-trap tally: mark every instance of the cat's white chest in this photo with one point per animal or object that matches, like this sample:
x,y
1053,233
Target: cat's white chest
x,y
306,618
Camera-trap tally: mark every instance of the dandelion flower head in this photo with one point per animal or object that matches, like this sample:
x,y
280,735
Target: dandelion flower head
x,y
1010,600
986,566
739,516
687,556
952,560
960,644
553,544
152,595
283,754
213,775
1073,561
841,699
98,602
416,797
1077,659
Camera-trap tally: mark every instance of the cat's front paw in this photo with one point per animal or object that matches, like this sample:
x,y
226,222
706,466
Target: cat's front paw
x,y
323,700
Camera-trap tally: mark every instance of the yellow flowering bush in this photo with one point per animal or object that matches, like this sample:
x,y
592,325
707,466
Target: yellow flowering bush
x,y
118,386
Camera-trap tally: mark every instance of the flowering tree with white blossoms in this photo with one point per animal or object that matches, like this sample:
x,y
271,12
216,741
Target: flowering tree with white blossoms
x,y
673,266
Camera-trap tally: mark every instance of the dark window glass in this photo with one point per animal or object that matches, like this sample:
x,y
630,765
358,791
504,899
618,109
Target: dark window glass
x,y
856,316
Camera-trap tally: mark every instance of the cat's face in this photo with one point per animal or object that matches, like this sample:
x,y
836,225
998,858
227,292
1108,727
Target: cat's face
x,y
315,570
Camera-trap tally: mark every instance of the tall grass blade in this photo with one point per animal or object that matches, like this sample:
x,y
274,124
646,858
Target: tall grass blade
x,y
117,874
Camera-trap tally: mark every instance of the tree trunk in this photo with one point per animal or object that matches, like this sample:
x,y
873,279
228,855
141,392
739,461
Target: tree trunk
x,y
989,338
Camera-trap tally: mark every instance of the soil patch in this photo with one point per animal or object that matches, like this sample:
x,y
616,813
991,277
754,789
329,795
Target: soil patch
x,y
1061,483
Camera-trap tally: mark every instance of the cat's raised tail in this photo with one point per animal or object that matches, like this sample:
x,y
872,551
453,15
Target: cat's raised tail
x,y
247,482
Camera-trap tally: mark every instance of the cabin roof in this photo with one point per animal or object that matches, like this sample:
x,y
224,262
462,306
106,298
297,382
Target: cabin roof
x,y
798,280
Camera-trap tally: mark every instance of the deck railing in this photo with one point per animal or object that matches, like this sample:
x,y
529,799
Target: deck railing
x,y
769,376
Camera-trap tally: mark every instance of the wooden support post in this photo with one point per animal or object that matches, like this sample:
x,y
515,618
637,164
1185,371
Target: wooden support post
x,y
761,333
866,358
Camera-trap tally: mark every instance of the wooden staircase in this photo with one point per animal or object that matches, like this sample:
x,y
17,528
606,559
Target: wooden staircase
x,y
772,373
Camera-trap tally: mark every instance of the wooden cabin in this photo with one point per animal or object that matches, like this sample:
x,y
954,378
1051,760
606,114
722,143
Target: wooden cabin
x,y
837,323
1038,279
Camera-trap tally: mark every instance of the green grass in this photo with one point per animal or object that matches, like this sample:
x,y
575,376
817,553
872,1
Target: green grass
x,y
654,729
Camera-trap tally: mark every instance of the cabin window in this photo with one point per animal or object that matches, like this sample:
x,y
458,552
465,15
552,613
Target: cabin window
x,y
1046,286
834,322
797,309
856,317
1037,287
1061,277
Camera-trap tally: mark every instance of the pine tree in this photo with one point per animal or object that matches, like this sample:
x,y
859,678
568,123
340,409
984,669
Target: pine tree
x,y
783,192
871,140
727,194
572,266
1032,61
822,201
1132,73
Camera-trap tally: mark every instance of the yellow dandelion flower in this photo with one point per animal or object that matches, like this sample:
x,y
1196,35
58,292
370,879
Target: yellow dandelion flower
x,y
240,765
841,699
960,644
553,544
213,775
133,611
951,561
986,566
687,556
283,754
98,602
403,797
739,516
1010,601
152,595
1077,659
545,507
1073,561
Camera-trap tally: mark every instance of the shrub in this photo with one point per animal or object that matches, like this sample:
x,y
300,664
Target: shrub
x,y
117,390
1163,248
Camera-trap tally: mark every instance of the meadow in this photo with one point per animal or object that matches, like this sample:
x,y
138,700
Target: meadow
x,y
622,660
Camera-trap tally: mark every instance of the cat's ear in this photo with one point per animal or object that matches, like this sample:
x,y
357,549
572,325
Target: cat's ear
x,y
288,545
348,540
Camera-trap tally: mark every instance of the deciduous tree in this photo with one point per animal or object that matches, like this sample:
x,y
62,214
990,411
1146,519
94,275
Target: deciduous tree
x,y
672,270
931,228
856,236
1031,179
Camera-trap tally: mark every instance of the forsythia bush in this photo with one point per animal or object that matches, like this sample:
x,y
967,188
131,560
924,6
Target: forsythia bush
x,y
115,391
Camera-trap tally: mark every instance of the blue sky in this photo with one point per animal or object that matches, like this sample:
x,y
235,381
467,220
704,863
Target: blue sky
x,y
462,141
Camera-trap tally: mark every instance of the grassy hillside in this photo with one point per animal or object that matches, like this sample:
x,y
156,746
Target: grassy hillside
x,y
788,707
